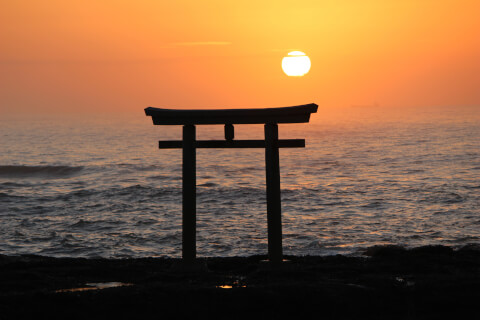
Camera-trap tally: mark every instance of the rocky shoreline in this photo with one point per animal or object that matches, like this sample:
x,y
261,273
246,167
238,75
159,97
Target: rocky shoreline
x,y
389,282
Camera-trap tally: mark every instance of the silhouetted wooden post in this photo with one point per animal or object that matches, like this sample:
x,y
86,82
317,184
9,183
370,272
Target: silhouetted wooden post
x,y
229,132
189,208
274,210
270,117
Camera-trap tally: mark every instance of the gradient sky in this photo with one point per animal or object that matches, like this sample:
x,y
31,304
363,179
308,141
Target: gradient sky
x,y
105,55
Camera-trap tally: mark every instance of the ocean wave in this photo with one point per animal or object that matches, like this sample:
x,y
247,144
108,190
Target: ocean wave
x,y
39,171
9,184
133,193
139,167
443,197
5,196
207,185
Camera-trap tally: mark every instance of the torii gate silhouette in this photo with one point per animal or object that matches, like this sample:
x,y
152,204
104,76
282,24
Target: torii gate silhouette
x,y
270,117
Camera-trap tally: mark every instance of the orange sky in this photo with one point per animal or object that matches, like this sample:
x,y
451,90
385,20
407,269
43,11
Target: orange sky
x,y
104,55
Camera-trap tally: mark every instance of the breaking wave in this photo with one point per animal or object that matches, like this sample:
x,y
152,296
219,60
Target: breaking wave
x,y
38,171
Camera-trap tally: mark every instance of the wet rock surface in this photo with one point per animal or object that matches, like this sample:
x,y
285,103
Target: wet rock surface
x,y
387,283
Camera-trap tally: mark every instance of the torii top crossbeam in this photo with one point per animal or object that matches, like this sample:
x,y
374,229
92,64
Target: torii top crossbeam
x,y
296,114
228,117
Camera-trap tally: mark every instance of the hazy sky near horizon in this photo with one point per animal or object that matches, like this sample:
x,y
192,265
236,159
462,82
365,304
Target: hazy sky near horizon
x,y
105,55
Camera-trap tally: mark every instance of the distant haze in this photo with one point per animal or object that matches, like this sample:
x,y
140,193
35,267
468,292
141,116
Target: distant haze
x,y
100,56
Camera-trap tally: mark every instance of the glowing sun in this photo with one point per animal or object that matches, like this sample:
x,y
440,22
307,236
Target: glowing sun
x,y
296,64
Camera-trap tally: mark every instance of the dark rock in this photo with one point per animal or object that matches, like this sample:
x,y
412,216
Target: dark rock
x,y
392,283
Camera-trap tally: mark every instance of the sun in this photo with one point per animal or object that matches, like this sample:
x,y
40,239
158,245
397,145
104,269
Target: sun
x,y
296,64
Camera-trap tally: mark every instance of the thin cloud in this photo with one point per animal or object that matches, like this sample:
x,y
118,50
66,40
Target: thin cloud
x,y
201,43
283,50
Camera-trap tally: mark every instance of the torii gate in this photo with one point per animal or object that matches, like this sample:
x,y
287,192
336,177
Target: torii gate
x,y
270,117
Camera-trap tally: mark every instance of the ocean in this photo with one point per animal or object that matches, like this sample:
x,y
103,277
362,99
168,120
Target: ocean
x,y
84,185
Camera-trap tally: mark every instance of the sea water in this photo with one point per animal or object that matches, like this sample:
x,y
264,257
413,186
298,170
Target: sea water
x,y
98,186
